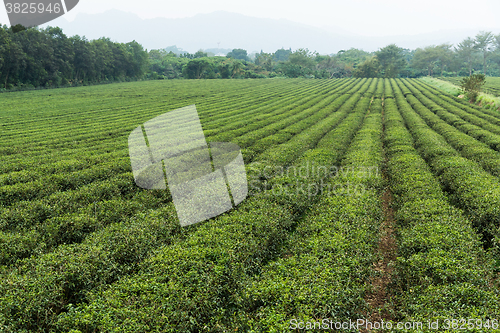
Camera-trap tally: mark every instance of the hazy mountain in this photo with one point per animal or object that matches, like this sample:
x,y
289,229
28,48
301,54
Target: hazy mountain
x,y
231,30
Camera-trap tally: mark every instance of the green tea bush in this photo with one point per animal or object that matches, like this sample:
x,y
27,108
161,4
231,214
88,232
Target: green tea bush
x,y
228,273
83,249
441,270
471,188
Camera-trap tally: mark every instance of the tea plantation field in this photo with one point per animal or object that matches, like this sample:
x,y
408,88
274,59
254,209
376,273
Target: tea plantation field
x,y
336,168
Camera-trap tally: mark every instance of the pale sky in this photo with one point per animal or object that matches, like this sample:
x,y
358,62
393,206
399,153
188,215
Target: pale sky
x,y
363,17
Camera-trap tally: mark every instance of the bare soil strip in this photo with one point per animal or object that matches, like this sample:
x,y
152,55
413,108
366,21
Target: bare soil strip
x,y
379,298
387,248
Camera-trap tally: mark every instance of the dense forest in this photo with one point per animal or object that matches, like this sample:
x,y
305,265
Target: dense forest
x,y
44,58
33,57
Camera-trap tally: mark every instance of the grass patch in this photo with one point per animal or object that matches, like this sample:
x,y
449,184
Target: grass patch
x,y
443,85
485,100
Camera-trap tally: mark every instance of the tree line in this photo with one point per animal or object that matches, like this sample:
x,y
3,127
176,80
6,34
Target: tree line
x,y
480,54
472,55
36,57
238,64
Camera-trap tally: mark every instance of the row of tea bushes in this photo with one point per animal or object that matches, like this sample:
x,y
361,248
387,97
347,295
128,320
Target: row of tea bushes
x,y
465,144
326,270
441,271
75,214
202,282
471,188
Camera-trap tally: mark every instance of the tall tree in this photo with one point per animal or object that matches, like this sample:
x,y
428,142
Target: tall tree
x,y
303,58
444,56
281,55
225,68
330,65
47,57
200,54
391,59
138,60
352,57
61,66
37,68
195,68
238,54
466,51
425,59
83,61
12,56
369,68
103,58
484,42
237,68
265,60
496,44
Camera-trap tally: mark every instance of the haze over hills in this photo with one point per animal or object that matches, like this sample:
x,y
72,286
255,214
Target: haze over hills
x,y
205,31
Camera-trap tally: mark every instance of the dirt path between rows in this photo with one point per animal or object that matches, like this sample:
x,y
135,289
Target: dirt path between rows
x,y
379,298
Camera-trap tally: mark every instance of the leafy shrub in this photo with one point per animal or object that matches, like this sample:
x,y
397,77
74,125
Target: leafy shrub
x,y
473,85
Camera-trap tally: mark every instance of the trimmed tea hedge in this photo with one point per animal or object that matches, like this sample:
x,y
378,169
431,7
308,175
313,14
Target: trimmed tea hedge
x,y
441,271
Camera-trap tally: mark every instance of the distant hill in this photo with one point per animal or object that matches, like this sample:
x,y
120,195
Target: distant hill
x,y
231,30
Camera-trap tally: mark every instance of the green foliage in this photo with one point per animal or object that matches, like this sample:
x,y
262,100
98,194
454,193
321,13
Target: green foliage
x,y
200,54
465,178
265,60
293,71
17,28
432,58
282,55
369,68
328,67
195,68
300,63
484,43
238,54
303,58
466,51
391,59
352,57
234,268
442,269
472,86
165,65
48,58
